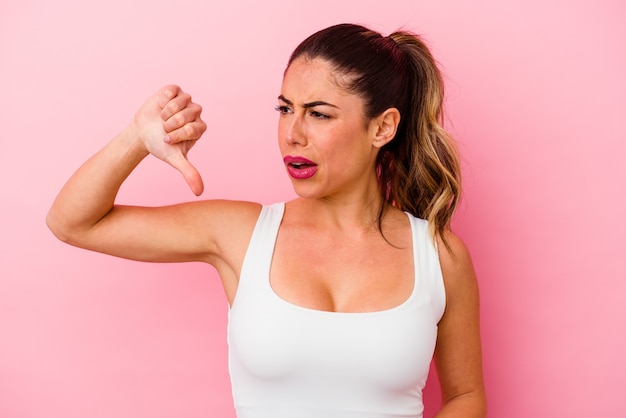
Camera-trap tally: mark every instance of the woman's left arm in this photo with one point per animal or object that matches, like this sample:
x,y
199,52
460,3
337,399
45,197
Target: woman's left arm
x,y
458,355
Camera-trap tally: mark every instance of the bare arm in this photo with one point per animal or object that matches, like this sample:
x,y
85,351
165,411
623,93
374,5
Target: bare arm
x,y
84,213
458,353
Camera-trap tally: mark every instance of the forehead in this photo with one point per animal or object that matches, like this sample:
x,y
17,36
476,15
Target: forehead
x,y
308,78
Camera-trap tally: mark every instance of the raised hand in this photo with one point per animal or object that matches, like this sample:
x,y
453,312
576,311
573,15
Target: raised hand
x,y
168,125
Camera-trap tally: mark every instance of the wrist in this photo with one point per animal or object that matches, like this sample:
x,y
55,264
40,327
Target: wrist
x,y
130,140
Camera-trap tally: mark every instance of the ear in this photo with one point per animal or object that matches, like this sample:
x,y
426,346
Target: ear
x,y
385,126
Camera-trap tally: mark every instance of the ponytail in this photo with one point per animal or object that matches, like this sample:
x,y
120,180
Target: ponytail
x,y
420,172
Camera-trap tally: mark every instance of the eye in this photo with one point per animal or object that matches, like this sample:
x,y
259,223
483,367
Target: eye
x,y
318,115
282,109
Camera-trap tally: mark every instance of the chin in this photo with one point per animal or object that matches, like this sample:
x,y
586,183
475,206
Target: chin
x,y
306,191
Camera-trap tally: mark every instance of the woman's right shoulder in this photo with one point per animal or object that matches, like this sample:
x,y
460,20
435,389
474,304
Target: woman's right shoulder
x,y
241,209
230,224
230,217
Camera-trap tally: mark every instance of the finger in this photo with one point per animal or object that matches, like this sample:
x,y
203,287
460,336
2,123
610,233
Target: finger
x,y
191,131
187,115
166,94
175,105
189,172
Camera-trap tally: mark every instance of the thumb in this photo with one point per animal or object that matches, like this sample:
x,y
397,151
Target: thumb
x,y
189,172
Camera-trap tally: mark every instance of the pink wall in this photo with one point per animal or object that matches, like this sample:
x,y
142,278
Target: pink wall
x,y
537,99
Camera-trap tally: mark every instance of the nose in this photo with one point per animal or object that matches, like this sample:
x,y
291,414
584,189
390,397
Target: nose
x,y
294,130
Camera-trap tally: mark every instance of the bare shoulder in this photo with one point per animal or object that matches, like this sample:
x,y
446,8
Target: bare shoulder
x,y
236,210
456,263
232,224
230,221
221,213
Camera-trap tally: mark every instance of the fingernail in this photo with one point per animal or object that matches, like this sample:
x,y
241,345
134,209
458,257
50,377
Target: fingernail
x,y
167,139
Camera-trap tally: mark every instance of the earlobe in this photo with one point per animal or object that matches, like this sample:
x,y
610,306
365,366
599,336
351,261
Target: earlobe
x,y
386,127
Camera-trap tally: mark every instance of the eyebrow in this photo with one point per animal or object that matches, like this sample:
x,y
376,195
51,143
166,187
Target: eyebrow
x,y
307,105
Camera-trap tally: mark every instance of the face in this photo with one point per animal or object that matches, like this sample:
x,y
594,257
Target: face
x,y
325,140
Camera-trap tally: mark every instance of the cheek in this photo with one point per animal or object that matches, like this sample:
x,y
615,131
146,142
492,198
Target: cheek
x,y
349,144
343,155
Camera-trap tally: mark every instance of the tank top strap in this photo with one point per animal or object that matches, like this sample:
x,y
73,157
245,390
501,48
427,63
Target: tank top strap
x,y
428,276
258,259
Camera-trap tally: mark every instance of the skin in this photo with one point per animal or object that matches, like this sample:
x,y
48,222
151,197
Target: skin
x,y
329,252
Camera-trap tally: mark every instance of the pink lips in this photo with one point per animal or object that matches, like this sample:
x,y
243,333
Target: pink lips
x,y
299,167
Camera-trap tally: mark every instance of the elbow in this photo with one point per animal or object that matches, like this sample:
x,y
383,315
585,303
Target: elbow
x,y
58,228
54,226
471,404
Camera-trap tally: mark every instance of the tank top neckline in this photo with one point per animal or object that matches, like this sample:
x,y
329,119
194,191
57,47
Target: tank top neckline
x,y
313,311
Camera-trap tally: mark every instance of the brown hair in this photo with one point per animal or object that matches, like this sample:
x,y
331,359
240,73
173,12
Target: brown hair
x,y
418,171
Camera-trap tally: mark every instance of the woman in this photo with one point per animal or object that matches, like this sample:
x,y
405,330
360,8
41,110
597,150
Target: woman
x,y
340,297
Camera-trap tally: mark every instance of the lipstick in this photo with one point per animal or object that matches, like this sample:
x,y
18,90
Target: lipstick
x,y
300,168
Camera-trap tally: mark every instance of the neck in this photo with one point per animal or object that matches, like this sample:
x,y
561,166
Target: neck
x,y
342,214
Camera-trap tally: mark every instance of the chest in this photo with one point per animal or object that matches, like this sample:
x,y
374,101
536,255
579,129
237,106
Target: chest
x,y
342,273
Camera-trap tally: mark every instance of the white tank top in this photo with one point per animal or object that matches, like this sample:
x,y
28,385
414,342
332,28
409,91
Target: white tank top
x,y
287,361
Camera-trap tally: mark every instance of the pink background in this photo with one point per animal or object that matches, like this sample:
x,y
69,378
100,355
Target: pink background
x,y
536,99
